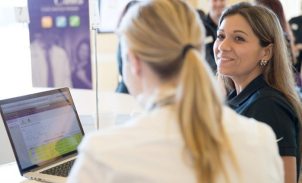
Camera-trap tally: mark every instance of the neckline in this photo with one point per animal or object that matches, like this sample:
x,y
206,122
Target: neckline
x,y
160,99
235,100
168,100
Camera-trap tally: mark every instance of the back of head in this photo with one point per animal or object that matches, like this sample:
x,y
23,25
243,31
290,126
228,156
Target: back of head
x,y
157,32
168,36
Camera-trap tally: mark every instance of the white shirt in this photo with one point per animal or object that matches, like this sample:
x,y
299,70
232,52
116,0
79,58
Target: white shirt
x,y
150,149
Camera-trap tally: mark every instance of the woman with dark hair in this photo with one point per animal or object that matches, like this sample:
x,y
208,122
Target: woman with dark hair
x,y
252,60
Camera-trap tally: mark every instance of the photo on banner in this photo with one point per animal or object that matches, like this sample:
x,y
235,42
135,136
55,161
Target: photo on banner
x,y
60,43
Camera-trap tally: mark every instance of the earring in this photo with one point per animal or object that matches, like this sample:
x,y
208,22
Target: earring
x,y
263,63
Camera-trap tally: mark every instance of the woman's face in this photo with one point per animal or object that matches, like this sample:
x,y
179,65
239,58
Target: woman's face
x,y
217,6
237,49
84,52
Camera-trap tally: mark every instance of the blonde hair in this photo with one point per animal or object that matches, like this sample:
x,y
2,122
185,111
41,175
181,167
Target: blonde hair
x,y
157,32
278,72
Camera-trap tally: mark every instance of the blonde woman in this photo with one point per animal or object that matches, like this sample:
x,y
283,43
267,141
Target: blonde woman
x,y
185,134
252,58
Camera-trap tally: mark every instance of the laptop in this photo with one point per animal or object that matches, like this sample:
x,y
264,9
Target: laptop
x,y
44,130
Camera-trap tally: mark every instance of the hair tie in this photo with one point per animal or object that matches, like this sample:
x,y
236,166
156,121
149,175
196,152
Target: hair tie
x,y
186,49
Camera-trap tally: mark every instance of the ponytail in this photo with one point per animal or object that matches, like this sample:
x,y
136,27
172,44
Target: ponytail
x,y
199,109
161,33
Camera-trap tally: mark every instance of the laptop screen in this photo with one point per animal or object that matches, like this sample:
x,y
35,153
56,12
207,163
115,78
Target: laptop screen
x,y
42,127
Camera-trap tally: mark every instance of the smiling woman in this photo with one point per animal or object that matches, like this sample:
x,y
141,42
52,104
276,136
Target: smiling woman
x,y
252,59
237,46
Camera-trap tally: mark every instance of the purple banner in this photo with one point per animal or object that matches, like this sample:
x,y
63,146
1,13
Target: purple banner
x,y
60,43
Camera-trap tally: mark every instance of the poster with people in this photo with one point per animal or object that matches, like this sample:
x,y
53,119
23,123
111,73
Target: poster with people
x,y
60,43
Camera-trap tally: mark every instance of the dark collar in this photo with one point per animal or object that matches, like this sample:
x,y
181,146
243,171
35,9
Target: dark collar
x,y
235,100
211,22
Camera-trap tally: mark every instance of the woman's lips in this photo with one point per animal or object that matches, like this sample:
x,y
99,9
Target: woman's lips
x,y
225,59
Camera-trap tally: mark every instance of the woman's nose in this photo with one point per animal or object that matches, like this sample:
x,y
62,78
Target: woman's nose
x,y
224,45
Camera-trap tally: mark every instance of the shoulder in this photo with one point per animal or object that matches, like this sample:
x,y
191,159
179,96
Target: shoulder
x,y
146,147
246,129
248,133
146,127
268,92
200,13
254,145
111,138
270,106
269,99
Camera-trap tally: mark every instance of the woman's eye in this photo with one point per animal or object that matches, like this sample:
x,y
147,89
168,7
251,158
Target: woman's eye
x,y
238,38
220,37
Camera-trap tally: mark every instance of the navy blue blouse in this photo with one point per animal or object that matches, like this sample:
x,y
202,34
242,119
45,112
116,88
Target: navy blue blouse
x,y
264,103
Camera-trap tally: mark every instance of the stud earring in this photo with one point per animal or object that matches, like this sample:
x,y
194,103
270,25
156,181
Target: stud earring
x,y
263,63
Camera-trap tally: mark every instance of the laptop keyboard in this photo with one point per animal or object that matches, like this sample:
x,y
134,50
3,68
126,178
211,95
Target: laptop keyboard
x,y
61,170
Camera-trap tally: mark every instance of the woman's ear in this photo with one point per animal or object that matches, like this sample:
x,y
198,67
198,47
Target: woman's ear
x,y
135,64
268,52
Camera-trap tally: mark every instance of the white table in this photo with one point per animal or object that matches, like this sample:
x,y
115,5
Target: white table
x,y
9,173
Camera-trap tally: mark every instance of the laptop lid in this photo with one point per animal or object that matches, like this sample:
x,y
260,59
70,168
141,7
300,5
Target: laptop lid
x,y
42,127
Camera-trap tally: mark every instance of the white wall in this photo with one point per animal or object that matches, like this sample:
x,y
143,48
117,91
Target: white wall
x,y
292,8
108,73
